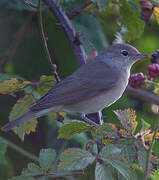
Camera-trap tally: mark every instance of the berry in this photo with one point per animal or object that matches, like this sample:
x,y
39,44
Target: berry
x,y
155,55
153,70
153,60
137,80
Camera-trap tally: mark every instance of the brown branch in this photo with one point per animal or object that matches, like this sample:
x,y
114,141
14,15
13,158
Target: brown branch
x,y
143,95
30,4
69,30
78,11
54,67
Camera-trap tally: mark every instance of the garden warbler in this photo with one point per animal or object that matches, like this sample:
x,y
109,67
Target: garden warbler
x,y
95,85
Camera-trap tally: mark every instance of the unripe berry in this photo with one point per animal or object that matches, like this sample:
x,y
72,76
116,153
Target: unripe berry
x,y
137,80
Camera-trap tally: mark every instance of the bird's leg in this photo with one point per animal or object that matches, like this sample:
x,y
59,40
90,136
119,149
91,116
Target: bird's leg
x,y
100,117
99,143
83,116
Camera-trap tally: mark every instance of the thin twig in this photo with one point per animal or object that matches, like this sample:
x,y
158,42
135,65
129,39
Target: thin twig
x,y
78,11
20,150
30,4
45,44
148,158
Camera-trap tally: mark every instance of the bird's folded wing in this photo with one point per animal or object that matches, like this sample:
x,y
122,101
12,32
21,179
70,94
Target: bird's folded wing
x,y
89,80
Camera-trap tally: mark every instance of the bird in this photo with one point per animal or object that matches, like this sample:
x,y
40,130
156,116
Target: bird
x,y
93,86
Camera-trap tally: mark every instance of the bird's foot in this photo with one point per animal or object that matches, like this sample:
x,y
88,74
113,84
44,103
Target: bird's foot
x,y
89,121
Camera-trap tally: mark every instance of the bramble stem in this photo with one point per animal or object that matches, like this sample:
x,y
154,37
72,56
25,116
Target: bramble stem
x,y
20,150
148,158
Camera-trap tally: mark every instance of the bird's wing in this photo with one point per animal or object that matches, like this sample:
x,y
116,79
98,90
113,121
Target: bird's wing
x,y
89,80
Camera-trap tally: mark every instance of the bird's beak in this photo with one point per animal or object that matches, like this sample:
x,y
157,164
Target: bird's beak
x,y
139,56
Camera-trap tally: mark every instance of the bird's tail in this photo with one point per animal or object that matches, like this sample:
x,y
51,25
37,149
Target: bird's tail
x,y
18,121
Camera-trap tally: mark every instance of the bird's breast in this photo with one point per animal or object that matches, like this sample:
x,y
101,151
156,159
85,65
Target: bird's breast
x,y
105,99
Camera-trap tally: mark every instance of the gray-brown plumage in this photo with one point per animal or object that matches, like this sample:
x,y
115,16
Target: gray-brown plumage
x,y
94,86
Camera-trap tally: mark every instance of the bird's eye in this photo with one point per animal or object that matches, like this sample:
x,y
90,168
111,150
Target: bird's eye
x,y
124,52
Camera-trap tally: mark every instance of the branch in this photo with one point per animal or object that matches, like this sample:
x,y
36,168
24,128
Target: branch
x,y
20,150
45,44
143,95
69,30
148,158
78,11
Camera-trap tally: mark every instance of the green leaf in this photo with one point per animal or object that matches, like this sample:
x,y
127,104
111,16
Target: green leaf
x,y
132,25
45,84
145,129
46,158
16,5
121,167
12,85
103,172
3,147
102,4
33,167
5,76
72,128
127,118
141,154
110,150
155,176
22,178
75,159
21,107
127,149
106,130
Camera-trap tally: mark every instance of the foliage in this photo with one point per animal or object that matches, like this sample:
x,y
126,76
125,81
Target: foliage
x,y
118,149
20,108
3,148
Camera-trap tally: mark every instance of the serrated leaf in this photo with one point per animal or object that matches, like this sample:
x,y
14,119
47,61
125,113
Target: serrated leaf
x,y
46,158
33,167
21,107
103,172
12,85
127,118
121,167
110,150
75,159
141,154
3,147
131,21
45,84
106,130
127,149
72,128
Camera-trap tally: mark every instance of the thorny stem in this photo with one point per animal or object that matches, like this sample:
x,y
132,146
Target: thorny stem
x,y
46,45
20,150
148,158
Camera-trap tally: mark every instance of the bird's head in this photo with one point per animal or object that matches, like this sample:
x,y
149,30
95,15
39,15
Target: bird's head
x,y
124,54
